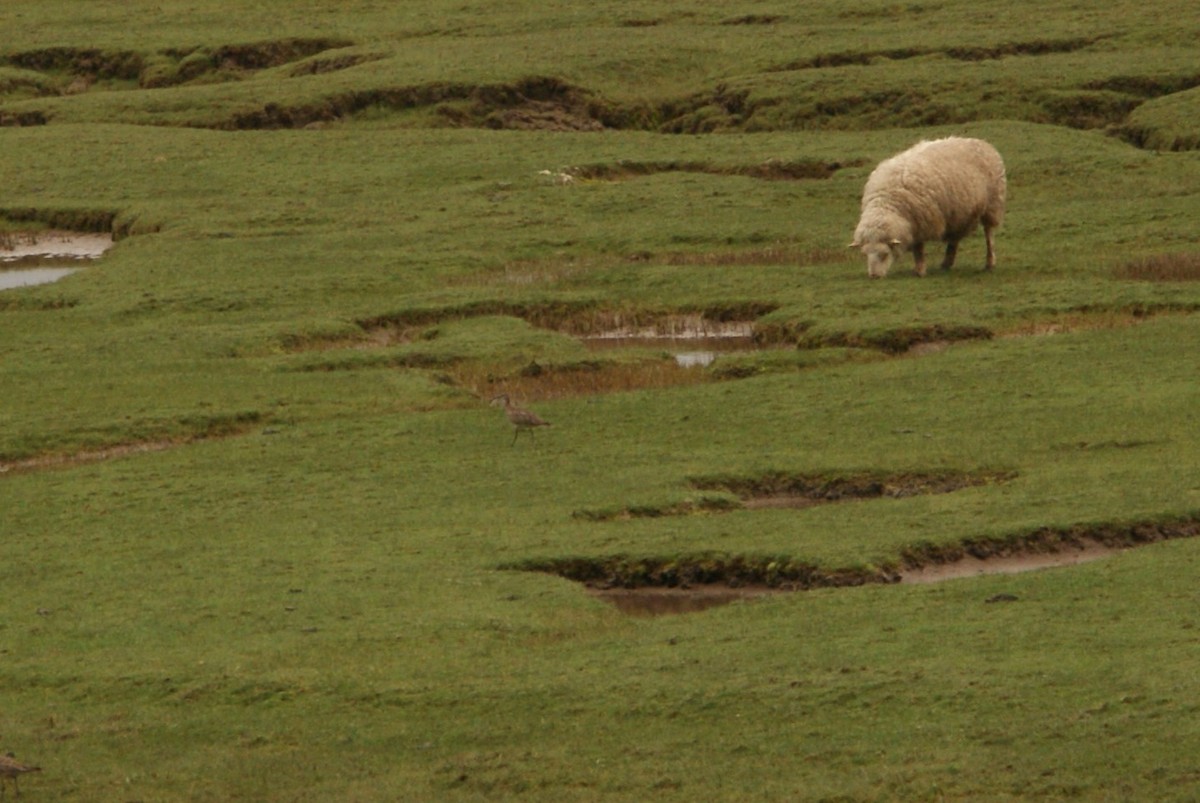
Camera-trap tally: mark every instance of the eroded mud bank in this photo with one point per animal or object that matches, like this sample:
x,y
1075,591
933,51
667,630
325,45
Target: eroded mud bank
x,y
652,586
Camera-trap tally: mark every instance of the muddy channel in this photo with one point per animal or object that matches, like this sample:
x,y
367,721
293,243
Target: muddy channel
x,y
659,601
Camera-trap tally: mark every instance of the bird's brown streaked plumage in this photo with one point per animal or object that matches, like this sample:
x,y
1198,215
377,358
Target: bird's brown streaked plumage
x,y
11,768
522,420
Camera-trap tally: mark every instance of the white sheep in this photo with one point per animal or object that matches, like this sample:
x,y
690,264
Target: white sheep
x,y
936,190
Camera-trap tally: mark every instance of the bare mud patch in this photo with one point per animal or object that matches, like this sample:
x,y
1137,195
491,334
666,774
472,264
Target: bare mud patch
x,y
971,566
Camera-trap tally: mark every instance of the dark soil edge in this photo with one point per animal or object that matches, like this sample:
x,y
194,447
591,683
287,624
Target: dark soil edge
x,y
792,574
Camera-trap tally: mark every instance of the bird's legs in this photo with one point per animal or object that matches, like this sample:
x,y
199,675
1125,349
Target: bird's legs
x,y
517,433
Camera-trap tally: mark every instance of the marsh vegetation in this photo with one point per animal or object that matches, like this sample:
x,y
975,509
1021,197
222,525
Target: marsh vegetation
x,y
264,538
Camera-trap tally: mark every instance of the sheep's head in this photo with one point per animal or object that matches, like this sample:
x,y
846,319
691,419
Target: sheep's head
x,y
880,256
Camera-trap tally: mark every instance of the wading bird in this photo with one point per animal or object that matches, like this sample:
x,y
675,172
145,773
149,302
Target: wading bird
x,y
522,420
11,768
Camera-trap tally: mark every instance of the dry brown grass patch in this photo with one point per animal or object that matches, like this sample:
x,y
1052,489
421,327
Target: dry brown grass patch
x,y
1075,321
535,382
1091,319
1179,267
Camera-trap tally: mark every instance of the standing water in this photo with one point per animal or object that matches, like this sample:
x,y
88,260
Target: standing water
x,y
693,341
29,259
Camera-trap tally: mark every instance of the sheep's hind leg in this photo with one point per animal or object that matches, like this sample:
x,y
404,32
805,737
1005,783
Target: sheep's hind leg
x,y
918,251
951,254
989,234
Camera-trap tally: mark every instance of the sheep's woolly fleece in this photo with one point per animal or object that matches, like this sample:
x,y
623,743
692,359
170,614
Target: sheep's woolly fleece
x,y
936,190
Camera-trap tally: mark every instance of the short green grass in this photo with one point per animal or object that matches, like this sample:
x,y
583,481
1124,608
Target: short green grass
x,y
259,518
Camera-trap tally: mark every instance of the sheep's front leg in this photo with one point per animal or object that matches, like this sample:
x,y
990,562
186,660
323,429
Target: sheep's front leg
x,y
918,251
951,253
989,234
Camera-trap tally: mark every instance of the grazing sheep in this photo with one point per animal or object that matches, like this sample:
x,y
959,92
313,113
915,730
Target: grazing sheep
x,y
936,190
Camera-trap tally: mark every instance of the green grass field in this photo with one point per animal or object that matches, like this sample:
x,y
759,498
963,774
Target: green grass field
x,y
264,537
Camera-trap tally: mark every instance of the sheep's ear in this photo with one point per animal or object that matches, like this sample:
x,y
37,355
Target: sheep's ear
x,y
854,245
895,242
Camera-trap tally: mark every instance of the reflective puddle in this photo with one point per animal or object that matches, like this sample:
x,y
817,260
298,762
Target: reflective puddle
x,y
33,258
28,277
693,341
694,359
